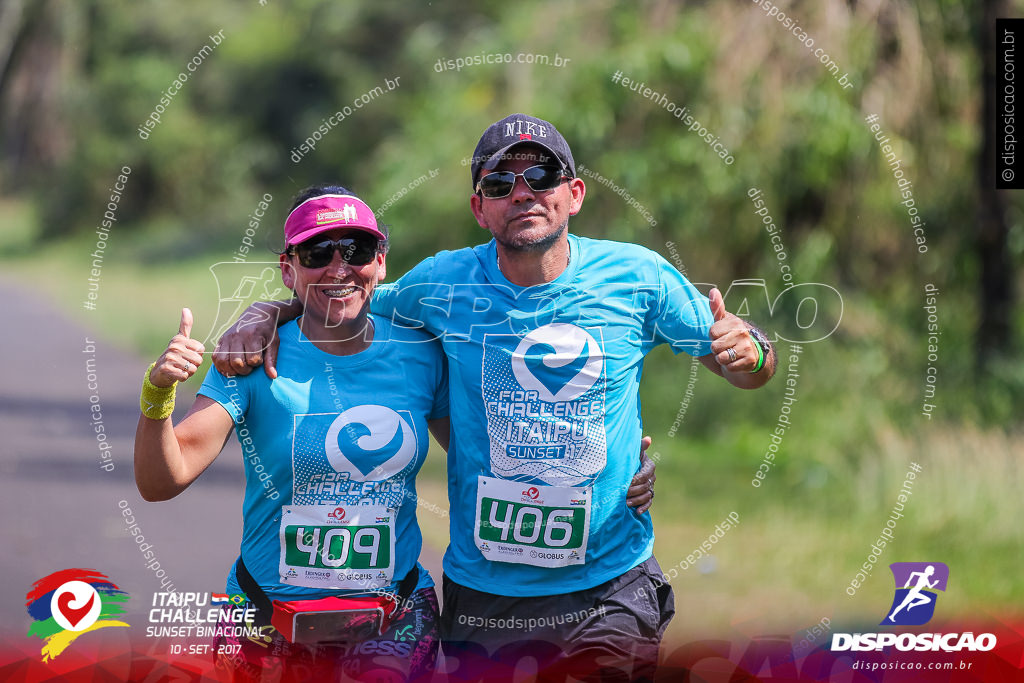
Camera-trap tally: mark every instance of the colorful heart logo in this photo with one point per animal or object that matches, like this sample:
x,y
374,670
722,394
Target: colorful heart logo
x,y
69,603
75,605
72,614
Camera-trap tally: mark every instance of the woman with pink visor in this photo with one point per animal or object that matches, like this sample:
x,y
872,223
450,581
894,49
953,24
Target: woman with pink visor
x,y
330,541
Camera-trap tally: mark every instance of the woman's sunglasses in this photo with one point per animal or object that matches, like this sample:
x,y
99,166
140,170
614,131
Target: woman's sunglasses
x,y
500,183
355,251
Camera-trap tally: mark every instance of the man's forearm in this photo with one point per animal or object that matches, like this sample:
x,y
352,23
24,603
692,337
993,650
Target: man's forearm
x,y
284,311
243,345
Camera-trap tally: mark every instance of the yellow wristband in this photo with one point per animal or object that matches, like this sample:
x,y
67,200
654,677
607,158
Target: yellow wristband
x,y
157,403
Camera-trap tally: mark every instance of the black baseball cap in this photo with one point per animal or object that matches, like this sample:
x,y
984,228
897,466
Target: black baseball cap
x,y
519,129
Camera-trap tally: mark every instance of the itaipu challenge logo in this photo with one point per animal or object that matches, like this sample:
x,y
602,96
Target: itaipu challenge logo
x,y
914,603
69,603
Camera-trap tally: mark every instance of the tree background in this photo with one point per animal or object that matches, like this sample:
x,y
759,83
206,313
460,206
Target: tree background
x,y
77,80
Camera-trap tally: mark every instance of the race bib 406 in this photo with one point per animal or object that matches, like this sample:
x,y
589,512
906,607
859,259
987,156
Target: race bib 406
x,y
543,526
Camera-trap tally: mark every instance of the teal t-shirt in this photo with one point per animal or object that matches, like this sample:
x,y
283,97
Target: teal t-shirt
x,y
545,411
332,446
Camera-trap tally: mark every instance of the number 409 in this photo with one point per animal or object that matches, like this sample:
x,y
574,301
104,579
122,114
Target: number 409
x,y
365,541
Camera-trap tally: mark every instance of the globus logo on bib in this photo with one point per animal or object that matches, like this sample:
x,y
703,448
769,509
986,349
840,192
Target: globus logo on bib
x,y
913,604
546,555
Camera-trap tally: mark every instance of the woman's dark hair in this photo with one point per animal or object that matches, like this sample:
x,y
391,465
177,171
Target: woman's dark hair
x,y
320,190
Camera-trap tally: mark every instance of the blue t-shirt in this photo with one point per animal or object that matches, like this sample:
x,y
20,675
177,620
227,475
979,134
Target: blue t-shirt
x,y
334,443
545,411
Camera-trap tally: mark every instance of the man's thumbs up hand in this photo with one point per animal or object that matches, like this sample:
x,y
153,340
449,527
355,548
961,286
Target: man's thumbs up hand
x,y
717,304
730,338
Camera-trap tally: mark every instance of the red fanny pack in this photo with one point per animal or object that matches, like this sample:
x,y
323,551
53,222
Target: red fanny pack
x,y
333,619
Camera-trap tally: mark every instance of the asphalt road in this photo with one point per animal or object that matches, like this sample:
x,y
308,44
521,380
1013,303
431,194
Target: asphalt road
x,y
60,508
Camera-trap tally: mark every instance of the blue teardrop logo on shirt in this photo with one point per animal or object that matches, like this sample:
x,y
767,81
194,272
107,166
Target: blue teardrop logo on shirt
x,y
370,443
366,460
554,379
561,362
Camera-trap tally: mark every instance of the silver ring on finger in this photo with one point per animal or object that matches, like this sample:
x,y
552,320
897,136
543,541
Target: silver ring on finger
x,y
732,354
188,367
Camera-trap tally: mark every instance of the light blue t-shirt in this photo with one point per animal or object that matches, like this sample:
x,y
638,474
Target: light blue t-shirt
x,y
545,411
334,443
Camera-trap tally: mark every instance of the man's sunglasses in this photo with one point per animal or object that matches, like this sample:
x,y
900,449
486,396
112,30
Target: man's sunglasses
x,y
355,251
500,183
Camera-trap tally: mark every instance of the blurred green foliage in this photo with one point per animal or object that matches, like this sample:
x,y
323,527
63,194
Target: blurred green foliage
x,y
84,77
282,69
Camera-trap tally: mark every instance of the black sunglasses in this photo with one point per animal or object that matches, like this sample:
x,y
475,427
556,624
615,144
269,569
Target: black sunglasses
x,y
500,183
355,251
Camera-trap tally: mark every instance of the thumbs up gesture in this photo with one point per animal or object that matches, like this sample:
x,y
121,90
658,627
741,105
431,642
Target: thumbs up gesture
x,y
731,343
182,357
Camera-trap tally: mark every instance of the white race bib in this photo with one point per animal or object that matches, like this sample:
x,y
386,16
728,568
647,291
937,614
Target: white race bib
x,y
543,526
350,547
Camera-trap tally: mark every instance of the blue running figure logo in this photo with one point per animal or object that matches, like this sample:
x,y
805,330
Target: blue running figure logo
x,y
914,603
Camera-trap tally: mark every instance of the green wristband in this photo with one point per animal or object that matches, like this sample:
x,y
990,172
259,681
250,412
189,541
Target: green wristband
x,y
762,353
760,358
156,403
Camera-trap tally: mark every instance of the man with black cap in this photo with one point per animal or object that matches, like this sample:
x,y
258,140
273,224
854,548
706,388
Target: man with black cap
x,y
545,334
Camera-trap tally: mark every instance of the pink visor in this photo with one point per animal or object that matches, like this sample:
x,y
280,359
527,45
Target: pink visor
x,y
328,212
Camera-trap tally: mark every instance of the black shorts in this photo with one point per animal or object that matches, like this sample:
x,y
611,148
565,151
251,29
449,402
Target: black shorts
x,y
609,632
407,651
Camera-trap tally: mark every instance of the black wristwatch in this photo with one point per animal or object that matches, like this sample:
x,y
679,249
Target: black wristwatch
x,y
765,345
